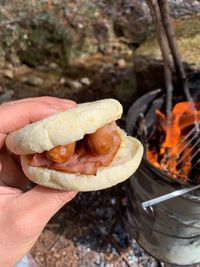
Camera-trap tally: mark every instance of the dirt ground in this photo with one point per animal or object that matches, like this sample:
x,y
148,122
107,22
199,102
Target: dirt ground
x,y
90,232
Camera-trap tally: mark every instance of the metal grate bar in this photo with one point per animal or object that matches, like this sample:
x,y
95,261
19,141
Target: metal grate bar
x,y
186,141
189,151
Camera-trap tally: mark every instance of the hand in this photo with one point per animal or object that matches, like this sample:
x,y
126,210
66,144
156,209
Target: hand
x,y
24,214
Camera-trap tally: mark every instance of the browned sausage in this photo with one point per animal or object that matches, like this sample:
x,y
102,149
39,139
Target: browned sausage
x,y
101,141
61,154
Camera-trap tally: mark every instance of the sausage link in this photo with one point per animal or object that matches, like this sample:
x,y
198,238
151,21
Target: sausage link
x,y
61,154
101,141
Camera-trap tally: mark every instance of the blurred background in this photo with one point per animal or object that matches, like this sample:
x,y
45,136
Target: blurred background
x,y
87,50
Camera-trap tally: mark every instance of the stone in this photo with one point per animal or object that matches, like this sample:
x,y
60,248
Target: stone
x,y
62,80
9,66
6,96
121,63
33,80
8,74
76,85
14,59
53,65
85,81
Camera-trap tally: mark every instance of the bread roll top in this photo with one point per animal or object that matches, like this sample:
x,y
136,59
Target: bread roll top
x,y
64,127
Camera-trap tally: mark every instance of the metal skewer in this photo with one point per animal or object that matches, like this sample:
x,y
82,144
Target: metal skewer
x,y
157,200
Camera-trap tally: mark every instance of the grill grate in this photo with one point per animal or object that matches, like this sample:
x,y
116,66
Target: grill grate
x,y
188,156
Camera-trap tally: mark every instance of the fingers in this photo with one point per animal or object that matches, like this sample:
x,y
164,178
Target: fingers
x,y
42,203
47,99
16,114
11,173
6,190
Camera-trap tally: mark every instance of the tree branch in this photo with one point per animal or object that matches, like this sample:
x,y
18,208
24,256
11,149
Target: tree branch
x,y
162,40
181,76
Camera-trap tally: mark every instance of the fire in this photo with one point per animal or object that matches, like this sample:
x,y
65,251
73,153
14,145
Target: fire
x,y
174,154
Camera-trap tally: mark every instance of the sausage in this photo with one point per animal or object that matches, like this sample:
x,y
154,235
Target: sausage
x,y
85,156
98,143
61,154
101,141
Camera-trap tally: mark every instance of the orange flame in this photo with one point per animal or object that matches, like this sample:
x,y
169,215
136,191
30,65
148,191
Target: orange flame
x,y
175,128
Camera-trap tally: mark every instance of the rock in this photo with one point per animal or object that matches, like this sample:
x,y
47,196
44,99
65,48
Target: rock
x,y
80,26
121,63
9,66
132,21
62,80
6,96
74,84
14,59
53,65
33,80
21,70
85,81
8,74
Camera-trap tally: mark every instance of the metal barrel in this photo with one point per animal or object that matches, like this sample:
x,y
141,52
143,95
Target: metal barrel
x,y
170,231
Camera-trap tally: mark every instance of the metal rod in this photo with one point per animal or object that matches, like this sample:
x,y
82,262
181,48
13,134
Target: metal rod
x,y
198,161
179,144
189,150
160,199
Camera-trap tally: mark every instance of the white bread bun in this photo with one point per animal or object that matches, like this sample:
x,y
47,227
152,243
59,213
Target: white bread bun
x,y
123,166
63,127
67,127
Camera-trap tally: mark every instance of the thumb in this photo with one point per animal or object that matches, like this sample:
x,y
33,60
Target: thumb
x,y
41,203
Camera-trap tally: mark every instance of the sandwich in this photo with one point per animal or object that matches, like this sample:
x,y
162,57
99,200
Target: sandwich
x,y
80,149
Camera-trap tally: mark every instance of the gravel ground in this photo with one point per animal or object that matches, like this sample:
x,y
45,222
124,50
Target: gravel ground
x,y
90,231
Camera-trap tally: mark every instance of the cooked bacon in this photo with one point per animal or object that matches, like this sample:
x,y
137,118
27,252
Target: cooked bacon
x,y
82,167
83,161
40,160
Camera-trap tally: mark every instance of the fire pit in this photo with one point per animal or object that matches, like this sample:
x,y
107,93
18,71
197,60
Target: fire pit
x,y
170,231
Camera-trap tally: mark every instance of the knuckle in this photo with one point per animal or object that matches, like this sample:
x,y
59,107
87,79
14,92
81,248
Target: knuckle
x,y
61,197
65,196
